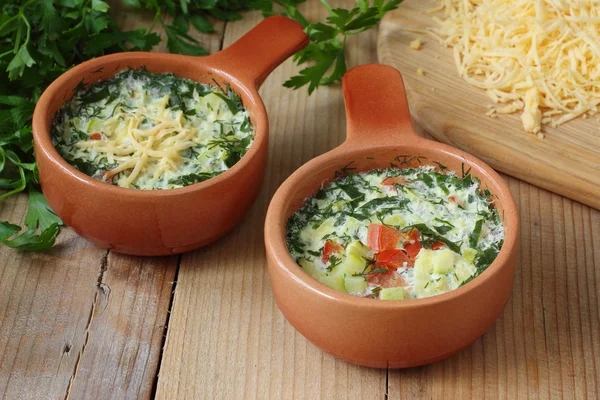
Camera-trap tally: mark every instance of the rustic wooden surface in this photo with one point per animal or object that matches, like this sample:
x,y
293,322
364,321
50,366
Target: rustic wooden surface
x,y
565,162
78,322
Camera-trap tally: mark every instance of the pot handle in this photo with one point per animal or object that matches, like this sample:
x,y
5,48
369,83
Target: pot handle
x,y
256,54
376,106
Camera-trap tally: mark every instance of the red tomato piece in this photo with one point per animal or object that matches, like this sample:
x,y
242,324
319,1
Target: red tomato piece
x,y
95,136
413,245
381,237
437,246
330,248
384,276
394,180
456,200
393,258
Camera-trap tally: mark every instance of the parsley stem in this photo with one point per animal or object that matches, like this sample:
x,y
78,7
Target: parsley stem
x,y
327,5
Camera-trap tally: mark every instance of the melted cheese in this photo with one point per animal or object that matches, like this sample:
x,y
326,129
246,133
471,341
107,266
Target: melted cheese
x,y
540,57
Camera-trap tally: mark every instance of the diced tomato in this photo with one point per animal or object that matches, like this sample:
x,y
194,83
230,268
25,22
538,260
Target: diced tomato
x,y
437,246
384,276
330,248
393,258
413,245
381,237
394,180
95,136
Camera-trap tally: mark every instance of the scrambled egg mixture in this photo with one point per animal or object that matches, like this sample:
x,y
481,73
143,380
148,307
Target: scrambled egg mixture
x,y
397,233
152,131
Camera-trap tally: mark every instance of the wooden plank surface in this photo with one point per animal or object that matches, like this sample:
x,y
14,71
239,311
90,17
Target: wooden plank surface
x,y
567,161
79,322
45,302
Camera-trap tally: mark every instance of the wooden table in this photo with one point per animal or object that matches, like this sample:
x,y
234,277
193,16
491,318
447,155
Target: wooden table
x,y
80,322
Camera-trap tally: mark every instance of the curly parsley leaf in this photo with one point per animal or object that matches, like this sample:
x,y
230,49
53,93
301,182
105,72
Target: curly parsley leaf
x,y
325,52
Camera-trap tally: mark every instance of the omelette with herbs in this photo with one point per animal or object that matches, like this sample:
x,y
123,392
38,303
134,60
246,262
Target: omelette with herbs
x,y
397,234
151,131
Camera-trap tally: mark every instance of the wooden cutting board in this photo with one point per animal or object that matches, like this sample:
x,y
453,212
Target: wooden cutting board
x,y
567,161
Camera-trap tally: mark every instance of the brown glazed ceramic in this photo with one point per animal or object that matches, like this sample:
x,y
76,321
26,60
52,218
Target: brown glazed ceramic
x,y
161,222
376,333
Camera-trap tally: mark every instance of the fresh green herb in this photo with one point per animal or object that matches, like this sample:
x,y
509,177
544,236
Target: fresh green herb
x,y
328,40
42,226
190,179
474,236
424,230
378,270
334,261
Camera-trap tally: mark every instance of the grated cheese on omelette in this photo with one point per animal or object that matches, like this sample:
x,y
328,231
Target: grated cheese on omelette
x,y
152,131
540,57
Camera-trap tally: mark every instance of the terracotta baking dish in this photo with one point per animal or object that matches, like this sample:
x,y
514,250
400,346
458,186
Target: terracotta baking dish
x,y
161,222
376,333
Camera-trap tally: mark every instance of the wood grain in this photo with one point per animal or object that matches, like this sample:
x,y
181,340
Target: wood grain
x,y
565,162
45,302
125,335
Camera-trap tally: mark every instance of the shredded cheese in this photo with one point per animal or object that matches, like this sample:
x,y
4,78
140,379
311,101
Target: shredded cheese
x,y
152,131
416,44
541,57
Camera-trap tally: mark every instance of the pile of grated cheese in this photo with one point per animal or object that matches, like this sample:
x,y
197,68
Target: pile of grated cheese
x,y
541,57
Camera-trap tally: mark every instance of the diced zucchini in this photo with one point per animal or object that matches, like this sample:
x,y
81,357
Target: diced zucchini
x,y
325,229
357,248
213,102
469,254
464,269
424,262
395,220
443,261
333,281
310,269
351,265
91,124
355,284
394,293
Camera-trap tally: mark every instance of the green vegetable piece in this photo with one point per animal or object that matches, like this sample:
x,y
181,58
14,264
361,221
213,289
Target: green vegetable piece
x,y
394,293
357,249
355,284
310,269
351,265
333,281
443,261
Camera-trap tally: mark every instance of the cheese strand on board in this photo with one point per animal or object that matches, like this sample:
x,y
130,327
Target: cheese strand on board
x,y
540,57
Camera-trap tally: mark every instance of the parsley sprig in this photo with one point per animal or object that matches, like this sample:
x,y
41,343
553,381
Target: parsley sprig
x,y
326,51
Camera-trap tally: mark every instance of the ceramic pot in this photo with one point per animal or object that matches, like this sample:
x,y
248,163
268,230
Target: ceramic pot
x,y
161,222
370,332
